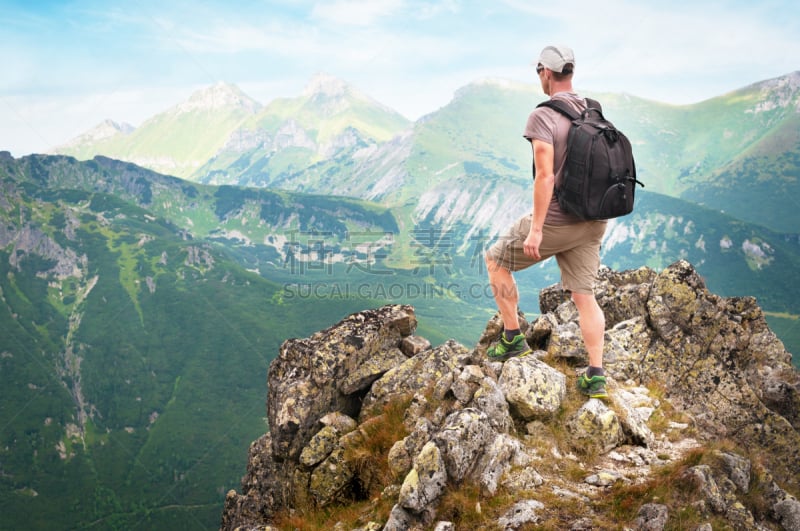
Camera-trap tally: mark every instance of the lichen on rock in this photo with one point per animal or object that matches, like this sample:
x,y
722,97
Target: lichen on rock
x,y
520,429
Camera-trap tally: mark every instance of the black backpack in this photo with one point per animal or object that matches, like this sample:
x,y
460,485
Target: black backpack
x,y
599,178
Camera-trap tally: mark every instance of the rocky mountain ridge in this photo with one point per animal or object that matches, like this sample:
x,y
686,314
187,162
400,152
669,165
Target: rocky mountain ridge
x,y
690,151
220,122
701,428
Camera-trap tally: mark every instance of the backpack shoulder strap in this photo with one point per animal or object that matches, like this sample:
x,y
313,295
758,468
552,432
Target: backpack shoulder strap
x,y
593,104
566,110
561,107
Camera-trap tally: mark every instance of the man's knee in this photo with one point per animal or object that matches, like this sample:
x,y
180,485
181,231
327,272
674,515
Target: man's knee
x,y
492,265
585,301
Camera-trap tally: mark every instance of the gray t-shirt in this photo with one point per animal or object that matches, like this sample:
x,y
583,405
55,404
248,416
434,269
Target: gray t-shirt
x,y
552,127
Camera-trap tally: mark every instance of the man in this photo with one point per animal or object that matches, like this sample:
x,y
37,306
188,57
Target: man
x,y
549,231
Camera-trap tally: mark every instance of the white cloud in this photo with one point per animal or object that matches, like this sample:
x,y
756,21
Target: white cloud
x,y
411,55
355,12
677,52
227,38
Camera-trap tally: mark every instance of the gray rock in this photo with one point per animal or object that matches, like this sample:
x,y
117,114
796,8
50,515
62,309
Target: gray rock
x,y
713,360
305,378
490,399
738,470
532,388
626,345
633,422
320,446
651,517
604,478
331,478
412,376
538,334
467,383
413,345
703,478
525,479
582,524
595,428
399,520
426,481
462,439
566,342
362,376
522,514
340,421
495,461
788,514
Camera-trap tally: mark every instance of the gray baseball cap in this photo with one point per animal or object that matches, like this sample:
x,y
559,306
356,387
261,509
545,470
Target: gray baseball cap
x,y
556,57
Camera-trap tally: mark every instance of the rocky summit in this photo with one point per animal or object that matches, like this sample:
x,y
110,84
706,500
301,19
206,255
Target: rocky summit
x,y
372,427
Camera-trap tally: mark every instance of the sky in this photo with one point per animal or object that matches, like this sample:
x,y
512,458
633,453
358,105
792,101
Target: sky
x,y
69,65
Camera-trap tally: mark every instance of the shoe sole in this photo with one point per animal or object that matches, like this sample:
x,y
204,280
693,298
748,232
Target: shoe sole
x,y
508,356
593,394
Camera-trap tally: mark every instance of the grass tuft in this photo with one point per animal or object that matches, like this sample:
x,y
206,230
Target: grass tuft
x,y
368,458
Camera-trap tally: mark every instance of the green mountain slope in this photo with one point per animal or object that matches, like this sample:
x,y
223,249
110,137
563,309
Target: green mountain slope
x,y
133,359
731,153
177,141
763,184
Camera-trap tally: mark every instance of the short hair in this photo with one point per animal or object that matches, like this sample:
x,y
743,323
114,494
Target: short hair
x,y
565,73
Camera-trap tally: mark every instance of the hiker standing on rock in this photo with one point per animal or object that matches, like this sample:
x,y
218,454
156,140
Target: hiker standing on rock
x,y
550,231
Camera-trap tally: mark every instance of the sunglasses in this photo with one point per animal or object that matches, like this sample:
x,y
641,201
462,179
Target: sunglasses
x,y
539,69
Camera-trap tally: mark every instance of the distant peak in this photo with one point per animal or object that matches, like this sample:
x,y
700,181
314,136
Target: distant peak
x,y
112,127
220,95
326,84
102,131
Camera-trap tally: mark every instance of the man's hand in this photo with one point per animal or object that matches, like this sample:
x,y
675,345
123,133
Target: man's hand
x,y
532,242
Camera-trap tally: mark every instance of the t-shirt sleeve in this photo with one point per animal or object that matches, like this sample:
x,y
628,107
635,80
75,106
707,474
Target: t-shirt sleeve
x,y
541,126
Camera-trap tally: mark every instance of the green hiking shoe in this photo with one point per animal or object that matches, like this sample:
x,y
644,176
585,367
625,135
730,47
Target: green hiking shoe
x,y
594,387
508,349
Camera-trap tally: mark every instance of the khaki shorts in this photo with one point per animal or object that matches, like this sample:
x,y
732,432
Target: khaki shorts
x,y
575,246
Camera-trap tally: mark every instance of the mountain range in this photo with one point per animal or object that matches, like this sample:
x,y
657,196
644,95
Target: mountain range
x,y
462,172
744,141
150,273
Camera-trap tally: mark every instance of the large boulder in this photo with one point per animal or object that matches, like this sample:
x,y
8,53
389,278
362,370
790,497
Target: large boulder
x,y
314,376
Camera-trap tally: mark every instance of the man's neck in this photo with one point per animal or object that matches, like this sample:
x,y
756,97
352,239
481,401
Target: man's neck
x,y
564,86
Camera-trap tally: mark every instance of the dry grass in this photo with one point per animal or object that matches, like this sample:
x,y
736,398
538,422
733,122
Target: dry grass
x,y
668,486
615,507
368,458
467,509
352,515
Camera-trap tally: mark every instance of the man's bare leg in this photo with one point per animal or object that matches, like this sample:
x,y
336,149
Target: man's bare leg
x,y
593,326
505,293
